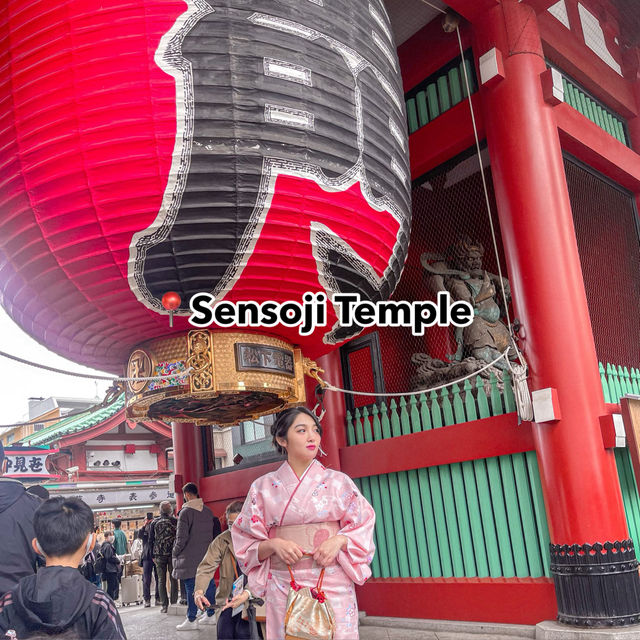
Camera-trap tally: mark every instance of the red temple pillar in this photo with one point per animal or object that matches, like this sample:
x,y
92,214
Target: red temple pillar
x,y
579,477
334,422
187,456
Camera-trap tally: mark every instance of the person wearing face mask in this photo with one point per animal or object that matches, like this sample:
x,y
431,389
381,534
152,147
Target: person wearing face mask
x,y
308,517
17,508
57,601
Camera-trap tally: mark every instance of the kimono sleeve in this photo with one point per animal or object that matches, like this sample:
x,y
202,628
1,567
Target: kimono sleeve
x,y
357,526
248,531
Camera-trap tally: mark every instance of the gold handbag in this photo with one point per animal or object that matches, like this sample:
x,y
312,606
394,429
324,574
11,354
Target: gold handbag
x,y
309,614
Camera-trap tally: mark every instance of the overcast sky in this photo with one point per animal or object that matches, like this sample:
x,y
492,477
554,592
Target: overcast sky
x,y
18,382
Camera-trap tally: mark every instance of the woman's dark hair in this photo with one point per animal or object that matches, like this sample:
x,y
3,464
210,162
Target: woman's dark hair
x,y
285,419
62,524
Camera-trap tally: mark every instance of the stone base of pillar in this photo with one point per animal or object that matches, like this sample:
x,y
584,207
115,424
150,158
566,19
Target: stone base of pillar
x,y
556,631
597,585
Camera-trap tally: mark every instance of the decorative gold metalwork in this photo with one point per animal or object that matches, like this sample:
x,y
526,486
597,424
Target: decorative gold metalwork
x,y
141,365
311,369
223,388
201,361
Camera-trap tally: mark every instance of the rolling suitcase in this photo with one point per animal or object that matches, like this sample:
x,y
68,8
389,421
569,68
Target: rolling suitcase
x,y
130,587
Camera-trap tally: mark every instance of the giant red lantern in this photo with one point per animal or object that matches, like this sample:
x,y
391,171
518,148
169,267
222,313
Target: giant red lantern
x,y
254,151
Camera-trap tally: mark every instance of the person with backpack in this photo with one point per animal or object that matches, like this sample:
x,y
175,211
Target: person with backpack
x,y
108,564
162,535
146,562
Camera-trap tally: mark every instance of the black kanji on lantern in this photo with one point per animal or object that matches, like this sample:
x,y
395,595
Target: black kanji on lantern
x,y
133,497
100,498
20,465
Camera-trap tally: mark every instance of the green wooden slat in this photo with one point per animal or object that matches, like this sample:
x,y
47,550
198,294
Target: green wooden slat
x,y
605,383
617,387
387,514
436,416
442,537
419,527
405,422
395,419
629,491
469,401
409,524
507,393
475,518
611,127
425,416
432,101
377,428
599,116
489,533
516,533
459,415
351,434
462,80
414,415
496,396
539,509
358,427
568,93
623,381
421,105
621,132
462,520
635,381
443,94
453,531
527,516
500,516
447,409
481,398
366,422
590,108
582,104
365,489
412,115
386,425
455,86
431,530
399,525
381,524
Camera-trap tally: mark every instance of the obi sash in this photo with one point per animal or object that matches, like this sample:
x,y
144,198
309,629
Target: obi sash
x,y
307,536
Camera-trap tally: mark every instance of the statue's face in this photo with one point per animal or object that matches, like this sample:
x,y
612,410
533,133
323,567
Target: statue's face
x,y
472,261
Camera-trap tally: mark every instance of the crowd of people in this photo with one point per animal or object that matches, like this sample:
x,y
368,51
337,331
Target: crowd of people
x,y
301,516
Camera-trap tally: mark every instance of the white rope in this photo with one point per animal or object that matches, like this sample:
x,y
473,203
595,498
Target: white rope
x,y
433,6
91,377
329,387
519,371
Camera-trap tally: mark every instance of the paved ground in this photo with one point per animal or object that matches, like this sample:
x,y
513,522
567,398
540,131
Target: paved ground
x,y
150,624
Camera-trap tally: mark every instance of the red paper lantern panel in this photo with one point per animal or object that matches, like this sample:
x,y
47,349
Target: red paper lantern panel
x,y
254,151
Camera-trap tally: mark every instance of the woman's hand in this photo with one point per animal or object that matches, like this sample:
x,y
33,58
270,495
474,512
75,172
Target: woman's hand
x,y
326,553
200,600
237,601
287,550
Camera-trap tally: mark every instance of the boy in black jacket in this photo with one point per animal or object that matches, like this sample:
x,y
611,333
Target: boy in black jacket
x,y
58,600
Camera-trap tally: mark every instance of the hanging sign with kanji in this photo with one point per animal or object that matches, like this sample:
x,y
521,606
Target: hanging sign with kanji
x,y
23,462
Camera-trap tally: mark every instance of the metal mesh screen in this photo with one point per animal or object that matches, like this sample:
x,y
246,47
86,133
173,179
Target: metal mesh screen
x,y
605,221
448,205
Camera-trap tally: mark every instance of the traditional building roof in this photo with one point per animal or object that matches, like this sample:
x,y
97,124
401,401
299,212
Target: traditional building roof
x,y
74,424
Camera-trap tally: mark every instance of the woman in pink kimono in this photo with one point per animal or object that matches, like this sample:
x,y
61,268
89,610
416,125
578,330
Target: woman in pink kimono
x,y
304,508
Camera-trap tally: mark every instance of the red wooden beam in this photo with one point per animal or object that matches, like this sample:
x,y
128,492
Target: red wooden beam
x,y
484,438
445,137
501,600
589,143
575,58
232,485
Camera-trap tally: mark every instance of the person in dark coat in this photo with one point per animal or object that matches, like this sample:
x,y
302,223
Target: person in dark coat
x,y
162,535
17,508
197,527
146,560
109,566
57,601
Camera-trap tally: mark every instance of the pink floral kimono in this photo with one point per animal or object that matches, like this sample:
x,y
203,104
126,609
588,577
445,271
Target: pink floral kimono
x,y
308,510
